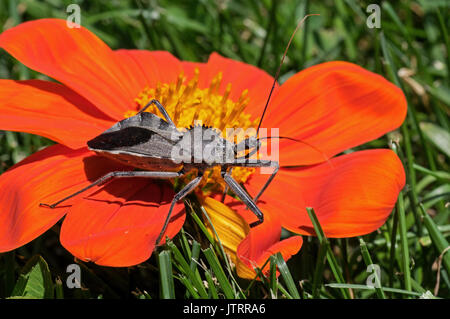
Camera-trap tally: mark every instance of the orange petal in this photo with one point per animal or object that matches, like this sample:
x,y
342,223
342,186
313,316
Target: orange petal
x,y
333,106
189,71
262,242
51,110
150,67
248,248
44,177
242,76
352,195
118,225
75,57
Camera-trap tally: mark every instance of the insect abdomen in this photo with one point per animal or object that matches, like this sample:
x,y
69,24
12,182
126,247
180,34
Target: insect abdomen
x,y
136,147
141,162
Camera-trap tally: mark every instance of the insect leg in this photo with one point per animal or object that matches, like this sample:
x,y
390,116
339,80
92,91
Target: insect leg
x,y
179,196
160,108
244,196
262,163
225,191
118,174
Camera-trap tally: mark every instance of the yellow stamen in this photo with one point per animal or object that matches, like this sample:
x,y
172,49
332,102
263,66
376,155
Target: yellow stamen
x,y
130,113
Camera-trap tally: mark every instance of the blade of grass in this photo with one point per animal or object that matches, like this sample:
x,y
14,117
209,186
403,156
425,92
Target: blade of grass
x,y
364,287
268,32
437,238
262,277
440,175
200,224
259,275
285,273
166,275
411,174
221,249
236,37
393,76
417,287
273,277
284,291
400,210
412,193
412,113
211,285
188,284
368,261
59,291
304,9
194,259
185,267
330,256
320,265
185,244
341,23
393,249
219,273
391,13
438,136
444,32
403,242
195,254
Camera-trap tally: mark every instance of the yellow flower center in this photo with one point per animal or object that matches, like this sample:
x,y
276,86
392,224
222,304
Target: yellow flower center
x,y
186,102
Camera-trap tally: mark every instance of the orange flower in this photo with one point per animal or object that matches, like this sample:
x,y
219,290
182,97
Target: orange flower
x,y
333,106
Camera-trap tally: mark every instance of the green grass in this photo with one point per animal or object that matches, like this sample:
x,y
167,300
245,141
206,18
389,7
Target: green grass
x,y
411,49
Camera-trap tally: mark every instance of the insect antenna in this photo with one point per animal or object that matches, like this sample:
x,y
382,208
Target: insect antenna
x,y
325,156
277,74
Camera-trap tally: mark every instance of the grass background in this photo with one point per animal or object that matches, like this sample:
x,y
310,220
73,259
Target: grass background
x,y
410,49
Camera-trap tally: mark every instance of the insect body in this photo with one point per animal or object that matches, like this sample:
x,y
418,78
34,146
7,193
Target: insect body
x,y
160,150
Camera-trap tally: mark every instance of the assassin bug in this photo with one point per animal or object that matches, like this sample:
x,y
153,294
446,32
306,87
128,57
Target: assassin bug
x,y
154,145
